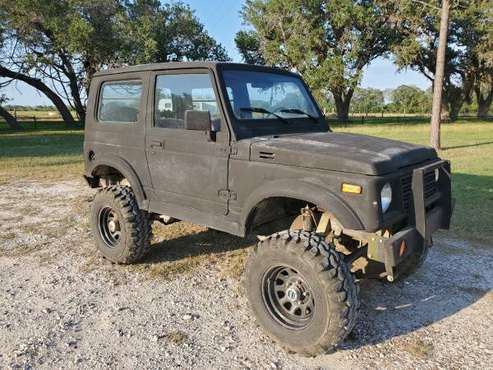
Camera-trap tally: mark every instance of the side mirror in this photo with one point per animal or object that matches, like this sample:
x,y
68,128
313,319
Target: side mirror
x,y
198,120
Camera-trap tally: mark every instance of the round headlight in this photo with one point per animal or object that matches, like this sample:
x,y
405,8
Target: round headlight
x,y
386,197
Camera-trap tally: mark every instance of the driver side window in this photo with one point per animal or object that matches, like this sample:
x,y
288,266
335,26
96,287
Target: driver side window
x,y
176,94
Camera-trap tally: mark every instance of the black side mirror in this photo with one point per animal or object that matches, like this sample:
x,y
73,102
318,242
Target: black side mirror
x,y
197,120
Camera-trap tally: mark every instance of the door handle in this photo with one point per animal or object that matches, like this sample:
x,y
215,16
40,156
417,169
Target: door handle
x,y
155,144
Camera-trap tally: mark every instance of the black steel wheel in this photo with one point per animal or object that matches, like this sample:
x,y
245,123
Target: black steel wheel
x,y
109,226
121,230
288,297
301,292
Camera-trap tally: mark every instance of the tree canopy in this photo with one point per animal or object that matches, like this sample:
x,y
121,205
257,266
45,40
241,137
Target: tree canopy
x,y
410,99
467,55
328,42
367,100
65,42
248,44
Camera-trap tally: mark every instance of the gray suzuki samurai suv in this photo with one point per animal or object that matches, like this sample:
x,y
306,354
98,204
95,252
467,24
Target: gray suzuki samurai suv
x,y
235,147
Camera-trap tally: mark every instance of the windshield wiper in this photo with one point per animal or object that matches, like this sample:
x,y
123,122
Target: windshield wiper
x,y
299,111
265,111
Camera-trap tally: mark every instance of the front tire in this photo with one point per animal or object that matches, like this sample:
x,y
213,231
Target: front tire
x,y
121,230
301,292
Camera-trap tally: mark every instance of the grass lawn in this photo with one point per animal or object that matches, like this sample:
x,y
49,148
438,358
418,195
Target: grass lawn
x,y
53,152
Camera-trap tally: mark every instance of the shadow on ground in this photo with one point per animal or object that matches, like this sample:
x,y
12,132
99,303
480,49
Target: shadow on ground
x,y
450,281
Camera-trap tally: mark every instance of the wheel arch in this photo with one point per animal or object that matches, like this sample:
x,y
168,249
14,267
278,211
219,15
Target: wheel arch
x,y
303,191
100,168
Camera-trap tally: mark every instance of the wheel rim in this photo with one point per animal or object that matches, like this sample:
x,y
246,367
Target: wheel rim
x,y
109,226
288,297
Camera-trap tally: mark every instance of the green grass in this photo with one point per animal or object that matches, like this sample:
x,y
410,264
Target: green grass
x,y
52,152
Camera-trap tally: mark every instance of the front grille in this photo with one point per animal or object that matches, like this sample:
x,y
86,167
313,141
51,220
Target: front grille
x,y
430,184
430,188
406,191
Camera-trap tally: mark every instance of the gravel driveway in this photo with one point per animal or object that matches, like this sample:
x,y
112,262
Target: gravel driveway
x,y
62,306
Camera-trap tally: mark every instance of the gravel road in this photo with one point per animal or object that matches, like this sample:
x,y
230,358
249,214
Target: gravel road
x,y
62,306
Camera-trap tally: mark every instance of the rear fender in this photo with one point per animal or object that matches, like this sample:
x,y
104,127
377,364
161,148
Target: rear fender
x,y
127,172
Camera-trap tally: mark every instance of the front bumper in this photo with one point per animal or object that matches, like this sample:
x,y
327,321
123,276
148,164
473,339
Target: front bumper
x,y
426,217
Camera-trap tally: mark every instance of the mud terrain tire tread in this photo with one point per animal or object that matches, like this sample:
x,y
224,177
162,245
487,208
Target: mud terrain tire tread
x,y
334,276
136,223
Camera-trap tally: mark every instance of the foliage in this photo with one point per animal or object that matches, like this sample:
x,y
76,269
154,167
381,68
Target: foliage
x,y
466,55
328,42
248,44
367,101
155,32
34,108
65,42
410,99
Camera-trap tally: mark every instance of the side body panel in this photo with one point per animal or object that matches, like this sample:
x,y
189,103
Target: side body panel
x,y
121,145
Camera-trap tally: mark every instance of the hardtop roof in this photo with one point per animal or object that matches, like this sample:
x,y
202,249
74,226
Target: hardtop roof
x,y
184,65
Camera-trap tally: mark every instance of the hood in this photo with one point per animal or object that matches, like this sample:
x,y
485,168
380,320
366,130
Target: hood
x,y
340,152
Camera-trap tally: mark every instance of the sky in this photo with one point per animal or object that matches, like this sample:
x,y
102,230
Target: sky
x,y
222,20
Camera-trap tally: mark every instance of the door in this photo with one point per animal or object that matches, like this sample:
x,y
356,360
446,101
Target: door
x,y
188,169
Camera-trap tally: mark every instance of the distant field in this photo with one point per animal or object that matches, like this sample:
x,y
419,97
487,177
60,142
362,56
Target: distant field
x,y
52,152
41,115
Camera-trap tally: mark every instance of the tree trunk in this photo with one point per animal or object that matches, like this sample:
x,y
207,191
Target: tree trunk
x,y
484,103
10,119
79,107
39,85
454,111
444,110
439,73
342,102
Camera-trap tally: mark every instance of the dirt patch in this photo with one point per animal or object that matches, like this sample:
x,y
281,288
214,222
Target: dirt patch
x,y
63,306
419,349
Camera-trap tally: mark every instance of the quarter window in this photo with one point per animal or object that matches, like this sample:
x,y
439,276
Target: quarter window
x,y
120,101
177,93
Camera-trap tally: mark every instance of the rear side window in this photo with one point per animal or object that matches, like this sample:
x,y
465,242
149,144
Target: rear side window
x,y
120,101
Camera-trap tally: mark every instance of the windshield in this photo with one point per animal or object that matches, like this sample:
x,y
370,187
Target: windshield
x,y
256,95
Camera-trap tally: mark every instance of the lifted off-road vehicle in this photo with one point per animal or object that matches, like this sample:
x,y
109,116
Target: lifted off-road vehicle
x,y
238,147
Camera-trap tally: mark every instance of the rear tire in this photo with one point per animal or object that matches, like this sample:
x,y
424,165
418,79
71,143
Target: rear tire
x,y
301,292
121,230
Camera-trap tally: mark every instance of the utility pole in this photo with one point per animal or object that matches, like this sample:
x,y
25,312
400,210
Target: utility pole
x,y
439,73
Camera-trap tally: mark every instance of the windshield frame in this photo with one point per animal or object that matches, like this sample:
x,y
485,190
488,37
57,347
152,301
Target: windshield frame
x,y
247,128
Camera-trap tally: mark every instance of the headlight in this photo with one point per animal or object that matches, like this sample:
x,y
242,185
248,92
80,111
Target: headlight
x,y
386,197
437,174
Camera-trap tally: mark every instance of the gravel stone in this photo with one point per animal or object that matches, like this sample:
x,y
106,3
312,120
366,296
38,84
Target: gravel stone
x,y
63,306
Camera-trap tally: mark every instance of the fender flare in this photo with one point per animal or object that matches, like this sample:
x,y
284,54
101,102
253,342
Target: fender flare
x,y
306,191
127,171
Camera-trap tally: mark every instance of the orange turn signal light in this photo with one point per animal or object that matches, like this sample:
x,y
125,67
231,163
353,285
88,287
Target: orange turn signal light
x,y
402,249
354,189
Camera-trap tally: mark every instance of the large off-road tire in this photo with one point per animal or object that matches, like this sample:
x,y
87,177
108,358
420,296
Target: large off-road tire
x,y
411,264
301,292
121,230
